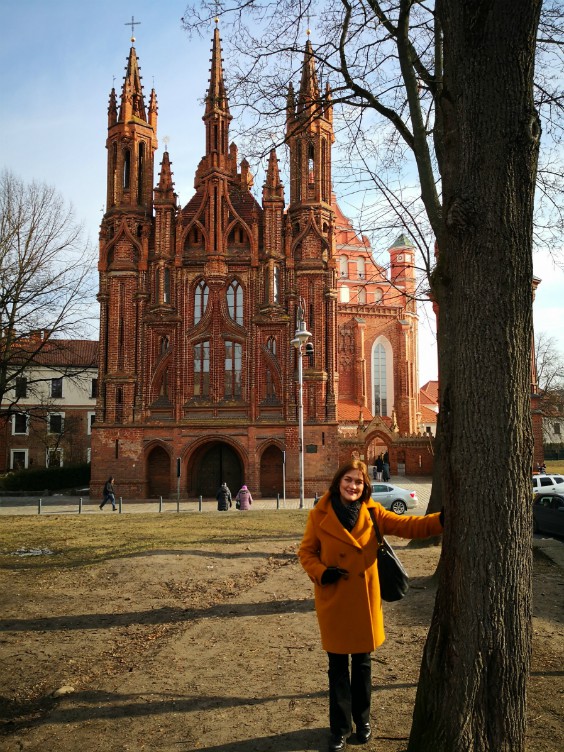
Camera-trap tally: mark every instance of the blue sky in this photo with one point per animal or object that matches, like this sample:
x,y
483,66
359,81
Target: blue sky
x,y
57,65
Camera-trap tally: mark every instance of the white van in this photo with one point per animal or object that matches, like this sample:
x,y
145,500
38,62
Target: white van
x,y
548,484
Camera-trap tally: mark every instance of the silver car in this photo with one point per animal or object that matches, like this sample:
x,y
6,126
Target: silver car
x,y
399,500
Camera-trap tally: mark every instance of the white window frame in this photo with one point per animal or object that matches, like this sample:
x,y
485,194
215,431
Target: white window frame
x,y
89,455
51,450
56,433
20,433
26,454
90,415
345,294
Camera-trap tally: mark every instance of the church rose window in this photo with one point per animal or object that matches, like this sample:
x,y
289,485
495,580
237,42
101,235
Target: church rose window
x,y
202,369
235,302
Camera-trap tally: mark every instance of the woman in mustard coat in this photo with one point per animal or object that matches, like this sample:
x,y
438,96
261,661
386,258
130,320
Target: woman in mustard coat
x,y
338,552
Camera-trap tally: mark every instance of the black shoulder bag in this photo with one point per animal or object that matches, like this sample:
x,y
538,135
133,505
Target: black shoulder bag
x,y
394,580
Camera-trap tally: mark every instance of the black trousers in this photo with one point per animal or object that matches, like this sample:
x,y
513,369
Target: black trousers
x,y
349,692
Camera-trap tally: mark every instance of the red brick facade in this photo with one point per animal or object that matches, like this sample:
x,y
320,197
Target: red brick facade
x,y
198,305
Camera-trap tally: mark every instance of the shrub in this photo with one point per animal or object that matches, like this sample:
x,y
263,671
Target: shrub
x,y
38,480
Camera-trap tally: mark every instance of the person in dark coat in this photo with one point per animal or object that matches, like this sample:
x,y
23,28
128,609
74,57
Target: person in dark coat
x,y
386,468
109,494
244,499
379,467
223,497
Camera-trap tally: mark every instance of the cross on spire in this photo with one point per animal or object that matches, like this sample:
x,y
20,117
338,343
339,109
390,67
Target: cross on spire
x,y
132,23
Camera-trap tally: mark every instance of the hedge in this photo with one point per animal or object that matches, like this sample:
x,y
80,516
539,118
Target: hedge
x,y
47,479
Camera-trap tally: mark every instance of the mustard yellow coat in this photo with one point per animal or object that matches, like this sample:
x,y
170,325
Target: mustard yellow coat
x,y
349,611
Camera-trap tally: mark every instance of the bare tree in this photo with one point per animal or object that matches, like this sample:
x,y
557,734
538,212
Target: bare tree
x,y
46,287
549,364
451,84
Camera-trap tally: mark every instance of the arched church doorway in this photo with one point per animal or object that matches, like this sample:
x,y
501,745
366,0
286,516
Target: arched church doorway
x,y
158,472
211,466
376,448
271,470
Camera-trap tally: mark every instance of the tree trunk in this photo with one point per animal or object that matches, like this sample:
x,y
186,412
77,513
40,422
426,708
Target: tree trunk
x,y
472,689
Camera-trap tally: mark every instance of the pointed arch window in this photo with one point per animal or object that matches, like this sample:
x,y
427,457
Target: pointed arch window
x,y
200,301
361,295
310,164
276,284
166,285
271,345
140,172
202,369
270,387
233,369
379,380
235,302
126,168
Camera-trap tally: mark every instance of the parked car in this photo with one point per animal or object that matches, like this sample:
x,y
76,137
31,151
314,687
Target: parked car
x,y
548,484
399,500
548,514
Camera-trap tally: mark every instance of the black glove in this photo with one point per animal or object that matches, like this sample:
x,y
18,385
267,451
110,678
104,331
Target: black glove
x,y
331,575
442,516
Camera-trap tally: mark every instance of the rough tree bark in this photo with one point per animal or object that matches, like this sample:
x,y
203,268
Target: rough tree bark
x,y
472,688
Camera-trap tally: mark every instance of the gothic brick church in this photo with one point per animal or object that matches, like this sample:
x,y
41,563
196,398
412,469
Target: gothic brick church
x,y
199,304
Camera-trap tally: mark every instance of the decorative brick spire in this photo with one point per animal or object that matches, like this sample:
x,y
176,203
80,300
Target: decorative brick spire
x,y
308,96
216,115
112,108
216,98
132,101
273,185
164,192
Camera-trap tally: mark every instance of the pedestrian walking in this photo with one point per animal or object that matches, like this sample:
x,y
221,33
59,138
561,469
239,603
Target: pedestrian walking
x,y
347,590
243,500
109,493
379,467
223,497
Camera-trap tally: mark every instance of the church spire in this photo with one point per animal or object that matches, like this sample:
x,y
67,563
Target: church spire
x,y
272,188
164,192
308,96
132,101
216,99
216,115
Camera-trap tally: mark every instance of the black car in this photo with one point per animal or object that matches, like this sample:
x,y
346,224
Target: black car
x,y
548,514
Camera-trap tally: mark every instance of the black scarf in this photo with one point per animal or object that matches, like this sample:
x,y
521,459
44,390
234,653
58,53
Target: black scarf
x,y
347,514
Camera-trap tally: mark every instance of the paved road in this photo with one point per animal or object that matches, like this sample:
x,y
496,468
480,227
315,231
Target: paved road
x,y
59,504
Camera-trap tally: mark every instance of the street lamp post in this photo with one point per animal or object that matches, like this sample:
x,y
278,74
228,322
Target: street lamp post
x,y
300,338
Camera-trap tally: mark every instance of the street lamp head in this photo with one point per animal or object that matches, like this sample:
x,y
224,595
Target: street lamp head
x,y
301,335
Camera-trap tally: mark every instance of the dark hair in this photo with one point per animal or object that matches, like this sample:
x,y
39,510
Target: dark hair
x,y
346,468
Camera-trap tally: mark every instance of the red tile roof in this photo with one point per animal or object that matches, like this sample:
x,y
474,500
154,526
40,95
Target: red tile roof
x,y
348,411
82,353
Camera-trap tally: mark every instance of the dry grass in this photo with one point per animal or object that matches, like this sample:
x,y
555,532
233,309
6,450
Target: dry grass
x,y
554,466
84,540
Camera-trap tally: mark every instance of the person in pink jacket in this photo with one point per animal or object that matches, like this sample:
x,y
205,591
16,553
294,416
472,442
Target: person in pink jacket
x,y
338,552
243,500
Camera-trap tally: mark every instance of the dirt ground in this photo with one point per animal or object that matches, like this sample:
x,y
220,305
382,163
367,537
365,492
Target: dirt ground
x,y
217,649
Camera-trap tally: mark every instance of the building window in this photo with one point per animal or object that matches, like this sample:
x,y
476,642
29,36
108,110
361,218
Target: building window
x,y
344,294
202,369
361,295
91,419
379,380
235,302
343,266
18,459
276,284
271,345
360,267
428,429
378,296
20,423
200,301
57,388
166,290
21,387
89,455
270,388
56,422
54,458
556,428
233,362
94,388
